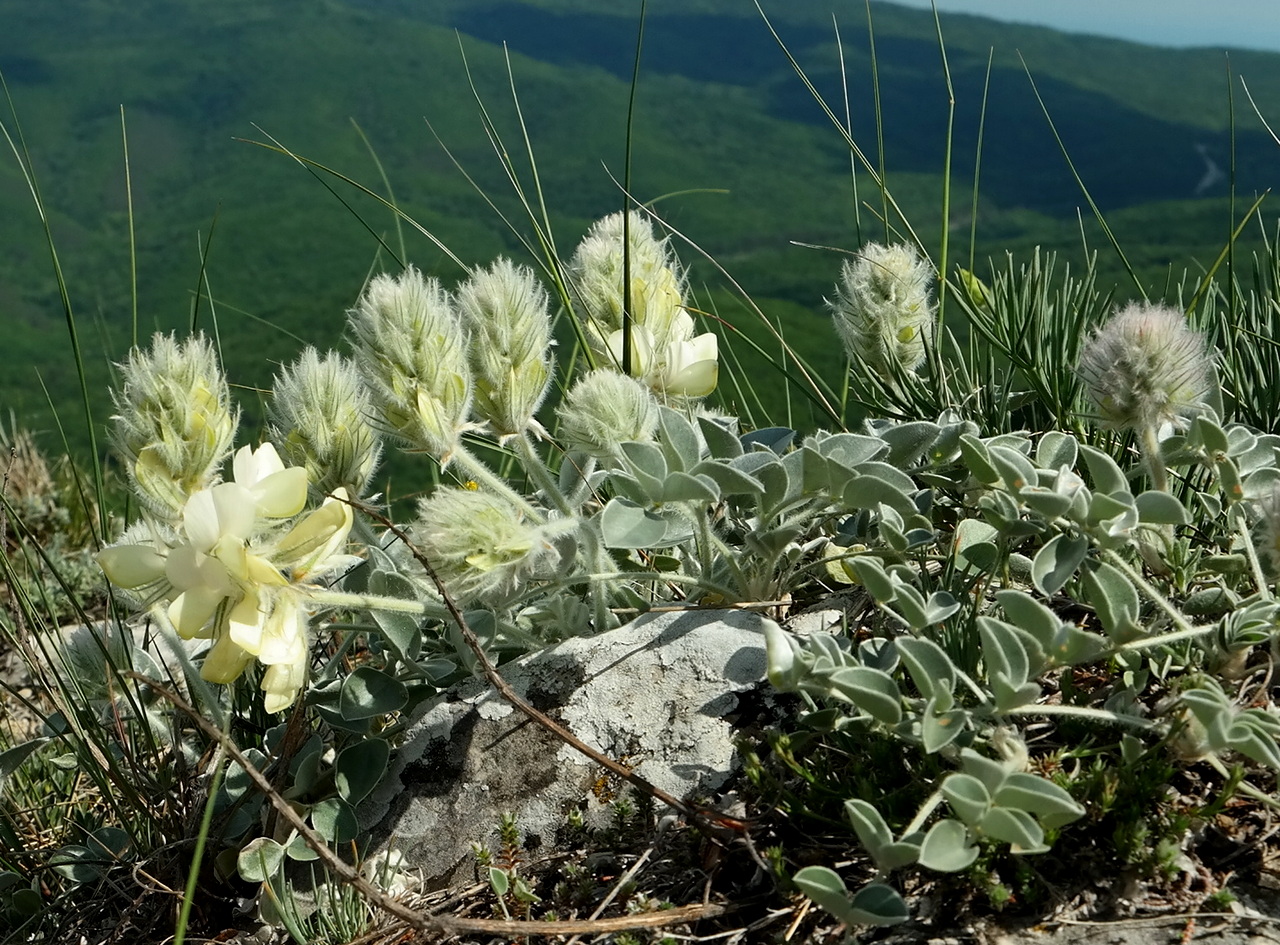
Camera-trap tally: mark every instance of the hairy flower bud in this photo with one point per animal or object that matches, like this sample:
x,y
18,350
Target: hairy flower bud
x,y
604,409
506,311
1145,367
174,422
482,547
412,351
319,415
883,312
664,351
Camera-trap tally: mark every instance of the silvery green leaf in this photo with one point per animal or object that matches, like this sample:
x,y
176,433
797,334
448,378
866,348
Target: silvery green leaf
x,y
1131,749
939,727
911,604
874,904
874,578
1016,828
871,690
775,439
850,449
879,905
967,795
1057,449
399,630
368,693
977,458
499,880
1014,468
299,850
359,767
908,441
801,470
780,489
1051,804
871,488
1045,502
1160,508
729,480
930,669
1107,476
1262,483
1115,599
1057,561
1029,614
987,770
785,657
721,442
646,462
678,439
259,859
108,845
335,820
974,544
1010,695
1240,440
1003,650
879,653
1211,504
632,489
940,606
682,487
876,838
946,847
1229,480
625,524
1208,435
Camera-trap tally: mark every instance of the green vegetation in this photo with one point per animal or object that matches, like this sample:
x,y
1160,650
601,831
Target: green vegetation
x,y
719,113
1047,517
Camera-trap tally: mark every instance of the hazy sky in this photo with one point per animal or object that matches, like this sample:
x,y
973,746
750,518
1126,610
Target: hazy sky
x,y
1249,24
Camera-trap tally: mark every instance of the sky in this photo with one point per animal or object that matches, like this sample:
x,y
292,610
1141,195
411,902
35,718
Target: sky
x,y
1246,24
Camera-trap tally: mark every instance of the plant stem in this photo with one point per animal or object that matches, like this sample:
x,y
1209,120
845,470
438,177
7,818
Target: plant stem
x,y
1155,465
398,605
539,472
193,877
1236,513
1087,712
483,475
1185,629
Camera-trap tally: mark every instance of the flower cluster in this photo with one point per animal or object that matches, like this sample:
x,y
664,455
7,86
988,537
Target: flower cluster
x,y
664,349
174,424
1145,368
236,569
883,311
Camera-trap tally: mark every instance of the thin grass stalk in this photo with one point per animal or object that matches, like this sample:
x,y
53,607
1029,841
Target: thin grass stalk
x,y
977,159
1084,189
391,194
875,96
628,316
133,245
848,125
23,155
197,855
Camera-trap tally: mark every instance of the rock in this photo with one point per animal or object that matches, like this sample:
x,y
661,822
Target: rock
x,y
655,694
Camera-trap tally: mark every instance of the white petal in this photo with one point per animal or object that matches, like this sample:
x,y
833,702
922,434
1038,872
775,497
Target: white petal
x,y
225,661
131,566
191,610
251,466
236,509
316,538
246,621
282,493
284,638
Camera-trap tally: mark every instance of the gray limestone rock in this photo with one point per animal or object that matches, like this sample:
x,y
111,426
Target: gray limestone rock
x,y
656,694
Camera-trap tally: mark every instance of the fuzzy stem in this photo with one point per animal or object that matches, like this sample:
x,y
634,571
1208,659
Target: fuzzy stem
x,y
539,472
1087,712
926,809
485,476
1155,464
1251,552
397,605
1184,627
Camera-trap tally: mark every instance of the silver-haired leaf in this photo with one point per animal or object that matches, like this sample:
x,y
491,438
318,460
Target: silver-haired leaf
x,y
946,847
